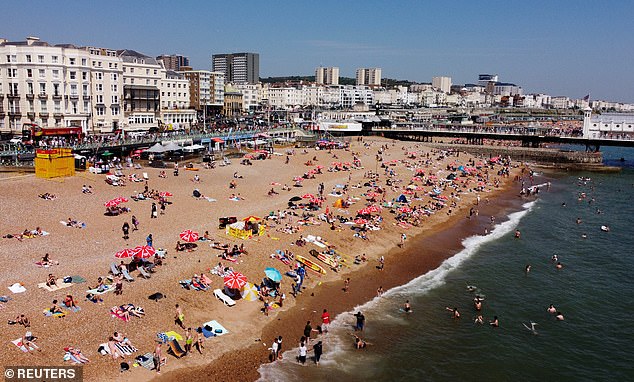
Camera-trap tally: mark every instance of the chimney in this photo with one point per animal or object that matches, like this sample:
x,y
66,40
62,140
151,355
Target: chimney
x,y
30,40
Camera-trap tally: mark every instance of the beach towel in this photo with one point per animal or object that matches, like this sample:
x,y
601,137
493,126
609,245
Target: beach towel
x,y
17,288
5,298
73,309
109,288
72,358
211,199
41,264
126,349
48,313
117,312
77,279
20,346
213,328
146,360
162,337
78,225
60,285
172,335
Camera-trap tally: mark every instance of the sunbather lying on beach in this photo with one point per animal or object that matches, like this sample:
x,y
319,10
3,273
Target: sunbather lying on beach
x,y
77,354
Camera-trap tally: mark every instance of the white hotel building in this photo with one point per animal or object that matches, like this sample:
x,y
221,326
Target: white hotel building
x,y
175,112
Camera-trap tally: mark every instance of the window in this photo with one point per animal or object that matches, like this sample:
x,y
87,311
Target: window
x,y
86,106
12,58
99,98
99,76
84,76
56,89
73,89
55,73
54,59
101,110
99,87
84,89
155,82
13,89
155,72
110,65
147,71
42,88
84,62
132,81
58,107
74,107
114,88
29,87
147,82
71,61
43,106
114,76
73,75
40,59
131,70
11,73
28,58
115,99
115,111
29,73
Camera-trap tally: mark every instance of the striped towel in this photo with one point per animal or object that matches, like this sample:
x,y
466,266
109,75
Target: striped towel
x,y
126,349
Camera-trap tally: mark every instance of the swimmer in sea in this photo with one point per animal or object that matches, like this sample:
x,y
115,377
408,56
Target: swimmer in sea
x,y
559,316
477,304
584,236
554,258
454,312
551,309
517,234
407,307
578,220
559,265
495,323
528,268
479,320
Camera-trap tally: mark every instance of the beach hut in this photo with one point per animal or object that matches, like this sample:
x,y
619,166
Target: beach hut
x,y
238,229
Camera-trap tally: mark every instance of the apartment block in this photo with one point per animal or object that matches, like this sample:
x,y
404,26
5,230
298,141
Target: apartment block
x,y
237,67
327,76
369,77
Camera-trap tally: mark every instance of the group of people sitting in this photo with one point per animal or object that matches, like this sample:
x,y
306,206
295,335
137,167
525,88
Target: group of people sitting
x,y
116,210
47,196
189,247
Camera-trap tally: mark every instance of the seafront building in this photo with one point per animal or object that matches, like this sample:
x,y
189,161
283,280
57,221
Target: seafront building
x,y
327,76
442,83
368,76
175,111
173,62
237,67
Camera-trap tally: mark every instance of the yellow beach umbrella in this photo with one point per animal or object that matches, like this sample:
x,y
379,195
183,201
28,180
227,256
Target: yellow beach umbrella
x,y
249,292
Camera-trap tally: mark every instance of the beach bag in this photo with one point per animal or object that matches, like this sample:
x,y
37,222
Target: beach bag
x,y
68,280
123,366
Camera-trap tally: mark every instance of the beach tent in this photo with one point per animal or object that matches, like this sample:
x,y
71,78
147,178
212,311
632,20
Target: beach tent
x,y
171,146
237,230
157,148
338,203
402,199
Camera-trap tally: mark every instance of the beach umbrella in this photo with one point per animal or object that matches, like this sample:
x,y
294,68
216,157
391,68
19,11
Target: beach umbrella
x,y
235,280
125,253
295,199
121,199
363,211
308,196
273,274
165,194
189,236
298,179
373,208
252,218
111,203
144,251
319,167
405,209
360,221
249,292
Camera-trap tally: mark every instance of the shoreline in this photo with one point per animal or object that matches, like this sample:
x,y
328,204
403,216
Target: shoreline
x,y
441,241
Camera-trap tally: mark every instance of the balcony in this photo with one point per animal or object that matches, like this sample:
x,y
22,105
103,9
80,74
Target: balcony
x,y
74,96
15,114
44,114
30,96
13,95
30,115
86,98
58,115
42,96
57,96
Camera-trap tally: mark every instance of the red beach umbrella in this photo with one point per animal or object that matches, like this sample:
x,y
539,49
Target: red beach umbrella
x,y
235,280
360,221
144,251
121,199
308,196
189,236
125,253
405,209
111,203
373,208
165,194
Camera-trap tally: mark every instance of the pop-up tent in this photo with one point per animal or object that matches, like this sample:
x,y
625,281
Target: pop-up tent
x,y
402,199
238,230
338,203
157,148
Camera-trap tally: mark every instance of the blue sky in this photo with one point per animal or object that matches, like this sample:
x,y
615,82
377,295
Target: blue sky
x,y
562,47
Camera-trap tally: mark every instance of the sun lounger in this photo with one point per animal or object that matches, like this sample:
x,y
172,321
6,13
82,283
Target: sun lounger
x,y
220,295
114,269
126,275
144,273
175,349
145,176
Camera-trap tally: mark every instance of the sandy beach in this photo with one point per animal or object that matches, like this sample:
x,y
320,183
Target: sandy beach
x,y
89,251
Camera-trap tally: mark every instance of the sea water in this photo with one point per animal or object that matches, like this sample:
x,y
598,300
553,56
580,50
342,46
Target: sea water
x,y
594,291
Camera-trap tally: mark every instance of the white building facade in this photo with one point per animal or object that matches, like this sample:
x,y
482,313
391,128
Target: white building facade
x,y
442,83
175,111
141,90
327,76
368,76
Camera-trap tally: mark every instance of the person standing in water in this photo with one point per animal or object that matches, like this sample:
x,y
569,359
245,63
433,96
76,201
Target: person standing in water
x,y
407,308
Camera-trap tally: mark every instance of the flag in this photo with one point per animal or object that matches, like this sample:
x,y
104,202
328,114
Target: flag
x,y
586,98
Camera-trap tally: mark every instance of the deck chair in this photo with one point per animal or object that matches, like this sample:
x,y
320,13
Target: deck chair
x,y
126,275
220,295
144,273
175,349
145,176
119,173
114,269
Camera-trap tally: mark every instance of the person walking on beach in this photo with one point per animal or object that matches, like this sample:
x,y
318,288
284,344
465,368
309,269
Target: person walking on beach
x,y
279,347
154,215
189,340
346,285
302,353
149,240
274,350
360,321
381,263
179,318
325,321
318,350
403,238
135,223
379,292
126,230
158,357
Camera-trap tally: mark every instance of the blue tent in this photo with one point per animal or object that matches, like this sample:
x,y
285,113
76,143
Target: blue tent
x,y
402,199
